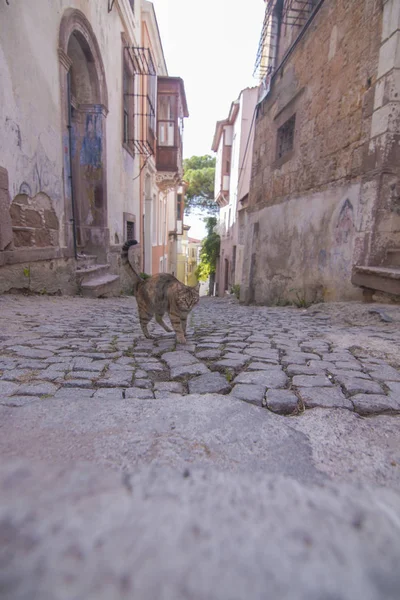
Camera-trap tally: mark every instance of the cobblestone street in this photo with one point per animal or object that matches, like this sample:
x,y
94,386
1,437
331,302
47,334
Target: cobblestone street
x,y
114,446
285,359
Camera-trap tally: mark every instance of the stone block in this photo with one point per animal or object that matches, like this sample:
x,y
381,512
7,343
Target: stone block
x,y
324,397
42,238
23,237
357,385
311,381
50,219
141,393
32,218
6,233
274,377
187,370
16,215
369,404
283,402
209,383
249,393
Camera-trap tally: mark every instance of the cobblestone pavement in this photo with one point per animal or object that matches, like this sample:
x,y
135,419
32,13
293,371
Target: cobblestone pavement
x,y
137,469
284,359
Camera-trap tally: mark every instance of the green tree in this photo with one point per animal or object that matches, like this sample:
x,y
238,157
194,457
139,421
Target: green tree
x,y
209,254
199,174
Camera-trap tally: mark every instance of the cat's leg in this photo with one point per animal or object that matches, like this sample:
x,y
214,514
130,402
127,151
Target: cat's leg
x,y
177,325
183,323
145,317
159,319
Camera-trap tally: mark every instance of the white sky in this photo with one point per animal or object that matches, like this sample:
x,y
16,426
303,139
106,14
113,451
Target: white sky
x,y
212,45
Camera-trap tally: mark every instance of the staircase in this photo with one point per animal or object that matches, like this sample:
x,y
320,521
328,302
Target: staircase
x,y
95,281
385,278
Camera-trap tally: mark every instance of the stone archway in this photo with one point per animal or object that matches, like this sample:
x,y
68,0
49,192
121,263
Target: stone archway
x,y
84,109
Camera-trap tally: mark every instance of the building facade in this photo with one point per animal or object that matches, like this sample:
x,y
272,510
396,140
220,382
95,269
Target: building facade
x,y
233,144
83,86
194,249
323,219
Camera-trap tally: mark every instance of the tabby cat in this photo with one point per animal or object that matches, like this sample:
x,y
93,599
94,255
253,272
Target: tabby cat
x,y
160,294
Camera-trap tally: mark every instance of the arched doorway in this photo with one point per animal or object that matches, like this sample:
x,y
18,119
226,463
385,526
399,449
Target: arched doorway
x,y
84,103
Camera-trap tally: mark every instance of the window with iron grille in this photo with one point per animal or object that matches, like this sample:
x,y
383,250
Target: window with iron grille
x,y
128,86
130,230
286,137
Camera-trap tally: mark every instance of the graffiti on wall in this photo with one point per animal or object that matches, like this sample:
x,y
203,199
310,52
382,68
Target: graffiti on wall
x,y
92,142
90,160
38,174
345,223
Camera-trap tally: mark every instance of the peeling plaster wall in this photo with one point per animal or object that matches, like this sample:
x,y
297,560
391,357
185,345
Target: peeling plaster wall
x,y
32,148
314,212
311,257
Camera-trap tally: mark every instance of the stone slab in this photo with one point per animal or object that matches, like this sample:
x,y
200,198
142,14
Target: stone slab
x,y
197,368
249,393
324,397
311,381
274,377
369,404
283,402
357,385
209,383
84,532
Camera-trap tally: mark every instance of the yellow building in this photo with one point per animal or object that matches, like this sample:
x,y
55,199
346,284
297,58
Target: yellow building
x,y
182,255
194,247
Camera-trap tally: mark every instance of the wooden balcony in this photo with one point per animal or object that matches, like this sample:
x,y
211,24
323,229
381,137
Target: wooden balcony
x,y
171,110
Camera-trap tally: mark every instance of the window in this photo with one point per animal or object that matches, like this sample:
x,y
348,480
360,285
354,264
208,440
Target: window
x,y
130,230
129,226
166,119
154,220
179,207
286,137
161,221
132,3
128,84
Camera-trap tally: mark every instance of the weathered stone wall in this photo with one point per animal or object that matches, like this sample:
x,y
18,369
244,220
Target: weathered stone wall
x,y
34,221
6,235
34,140
306,208
55,276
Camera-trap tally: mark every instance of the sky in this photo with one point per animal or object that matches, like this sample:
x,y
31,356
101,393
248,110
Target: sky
x,y
212,45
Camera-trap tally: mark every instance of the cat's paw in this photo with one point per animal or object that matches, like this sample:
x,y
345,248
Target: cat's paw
x,y
181,339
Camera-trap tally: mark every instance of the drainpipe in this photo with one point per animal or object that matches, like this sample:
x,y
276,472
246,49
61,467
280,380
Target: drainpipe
x,y
69,127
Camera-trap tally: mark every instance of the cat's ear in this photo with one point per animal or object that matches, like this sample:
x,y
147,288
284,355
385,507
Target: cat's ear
x,y
197,286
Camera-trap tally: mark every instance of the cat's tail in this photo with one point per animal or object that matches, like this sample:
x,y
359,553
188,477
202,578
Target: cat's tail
x,y
125,261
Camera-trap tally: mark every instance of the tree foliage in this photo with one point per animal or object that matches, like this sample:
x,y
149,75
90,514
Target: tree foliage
x,y
199,174
209,252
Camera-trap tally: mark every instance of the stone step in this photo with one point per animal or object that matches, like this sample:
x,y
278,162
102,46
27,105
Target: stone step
x,y
86,260
383,279
84,274
393,257
101,286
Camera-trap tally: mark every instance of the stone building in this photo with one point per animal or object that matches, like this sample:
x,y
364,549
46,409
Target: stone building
x,y
90,143
233,144
323,220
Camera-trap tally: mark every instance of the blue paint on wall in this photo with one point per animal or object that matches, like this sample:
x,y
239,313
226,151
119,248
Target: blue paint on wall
x,y
92,142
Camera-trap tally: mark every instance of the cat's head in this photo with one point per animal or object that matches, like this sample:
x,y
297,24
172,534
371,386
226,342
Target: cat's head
x,y
188,297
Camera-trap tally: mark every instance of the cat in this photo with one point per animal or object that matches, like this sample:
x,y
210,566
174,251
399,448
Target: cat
x,y
159,294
